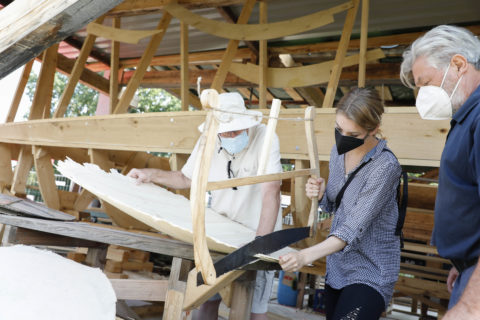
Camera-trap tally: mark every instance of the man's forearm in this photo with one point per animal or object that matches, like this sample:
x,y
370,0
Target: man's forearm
x,y
270,207
171,179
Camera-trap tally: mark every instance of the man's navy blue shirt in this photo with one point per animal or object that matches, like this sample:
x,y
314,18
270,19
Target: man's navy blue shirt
x,y
457,207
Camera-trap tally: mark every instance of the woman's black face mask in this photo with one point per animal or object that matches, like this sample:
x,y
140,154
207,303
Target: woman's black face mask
x,y
346,143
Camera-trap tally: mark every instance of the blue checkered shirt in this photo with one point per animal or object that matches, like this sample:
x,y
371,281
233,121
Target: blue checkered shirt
x,y
366,220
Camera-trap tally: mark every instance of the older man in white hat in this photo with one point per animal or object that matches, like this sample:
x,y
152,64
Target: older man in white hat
x,y
445,65
237,153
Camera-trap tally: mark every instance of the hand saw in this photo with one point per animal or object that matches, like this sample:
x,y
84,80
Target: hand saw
x,y
262,245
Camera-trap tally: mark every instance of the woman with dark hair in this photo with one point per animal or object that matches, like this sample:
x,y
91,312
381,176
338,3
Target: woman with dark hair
x,y
362,249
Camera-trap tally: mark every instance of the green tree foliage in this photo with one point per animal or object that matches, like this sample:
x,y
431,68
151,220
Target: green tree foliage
x,y
83,103
84,100
155,100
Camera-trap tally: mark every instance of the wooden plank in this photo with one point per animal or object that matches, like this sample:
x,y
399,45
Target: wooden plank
x,y
46,178
421,195
77,70
314,96
236,182
294,94
38,238
298,76
232,48
22,83
22,170
28,28
176,288
314,165
400,126
147,56
120,218
151,242
340,56
120,35
114,67
133,7
6,173
422,287
363,44
19,206
42,97
263,60
262,31
184,89
206,144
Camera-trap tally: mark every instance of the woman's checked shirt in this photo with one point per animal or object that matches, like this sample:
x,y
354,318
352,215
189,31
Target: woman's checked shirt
x,y
366,220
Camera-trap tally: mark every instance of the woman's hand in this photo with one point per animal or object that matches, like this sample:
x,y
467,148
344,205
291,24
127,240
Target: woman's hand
x,y
315,187
293,261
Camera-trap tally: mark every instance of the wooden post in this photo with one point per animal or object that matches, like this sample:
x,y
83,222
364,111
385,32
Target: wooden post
x,y
185,86
114,68
242,296
362,63
176,289
340,56
20,175
232,47
42,97
77,70
97,257
12,112
263,63
313,156
147,56
6,173
46,178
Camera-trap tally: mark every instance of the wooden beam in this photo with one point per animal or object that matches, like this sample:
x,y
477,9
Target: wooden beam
x,y
340,56
146,241
184,89
147,56
22,83
363,44
193,100
260,31
263,60
145,290
194,58
230,17
42,97
404,39
46,178
313,95
88,78
22,170
400,125
38,238
120,35
134,7
115,67
46,23
6,174
232,48
77,70
295,95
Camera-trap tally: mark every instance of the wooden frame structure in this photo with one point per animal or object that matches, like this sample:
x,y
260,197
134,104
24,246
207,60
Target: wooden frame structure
x,y
43,139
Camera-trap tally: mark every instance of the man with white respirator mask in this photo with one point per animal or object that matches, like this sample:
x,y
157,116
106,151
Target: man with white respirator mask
x,y
237,154
445,64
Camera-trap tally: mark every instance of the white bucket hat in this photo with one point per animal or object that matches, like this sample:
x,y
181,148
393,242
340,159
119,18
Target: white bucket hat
x,y
240,118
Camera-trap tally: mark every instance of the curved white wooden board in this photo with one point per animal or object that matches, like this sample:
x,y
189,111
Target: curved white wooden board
x,y
264,31
297,76
159,208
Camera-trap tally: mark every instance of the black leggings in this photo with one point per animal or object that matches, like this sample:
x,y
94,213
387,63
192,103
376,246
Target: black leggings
x,y
354,302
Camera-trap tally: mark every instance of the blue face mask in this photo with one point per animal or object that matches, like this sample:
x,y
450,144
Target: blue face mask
x,y
236,144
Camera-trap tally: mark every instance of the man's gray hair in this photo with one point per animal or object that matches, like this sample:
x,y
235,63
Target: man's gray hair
x,y
438,46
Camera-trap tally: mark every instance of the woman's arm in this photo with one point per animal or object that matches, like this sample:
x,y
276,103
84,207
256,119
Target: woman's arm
x,y
294,261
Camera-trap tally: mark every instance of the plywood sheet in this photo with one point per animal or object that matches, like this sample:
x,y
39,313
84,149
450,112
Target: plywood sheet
x,y
159,208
